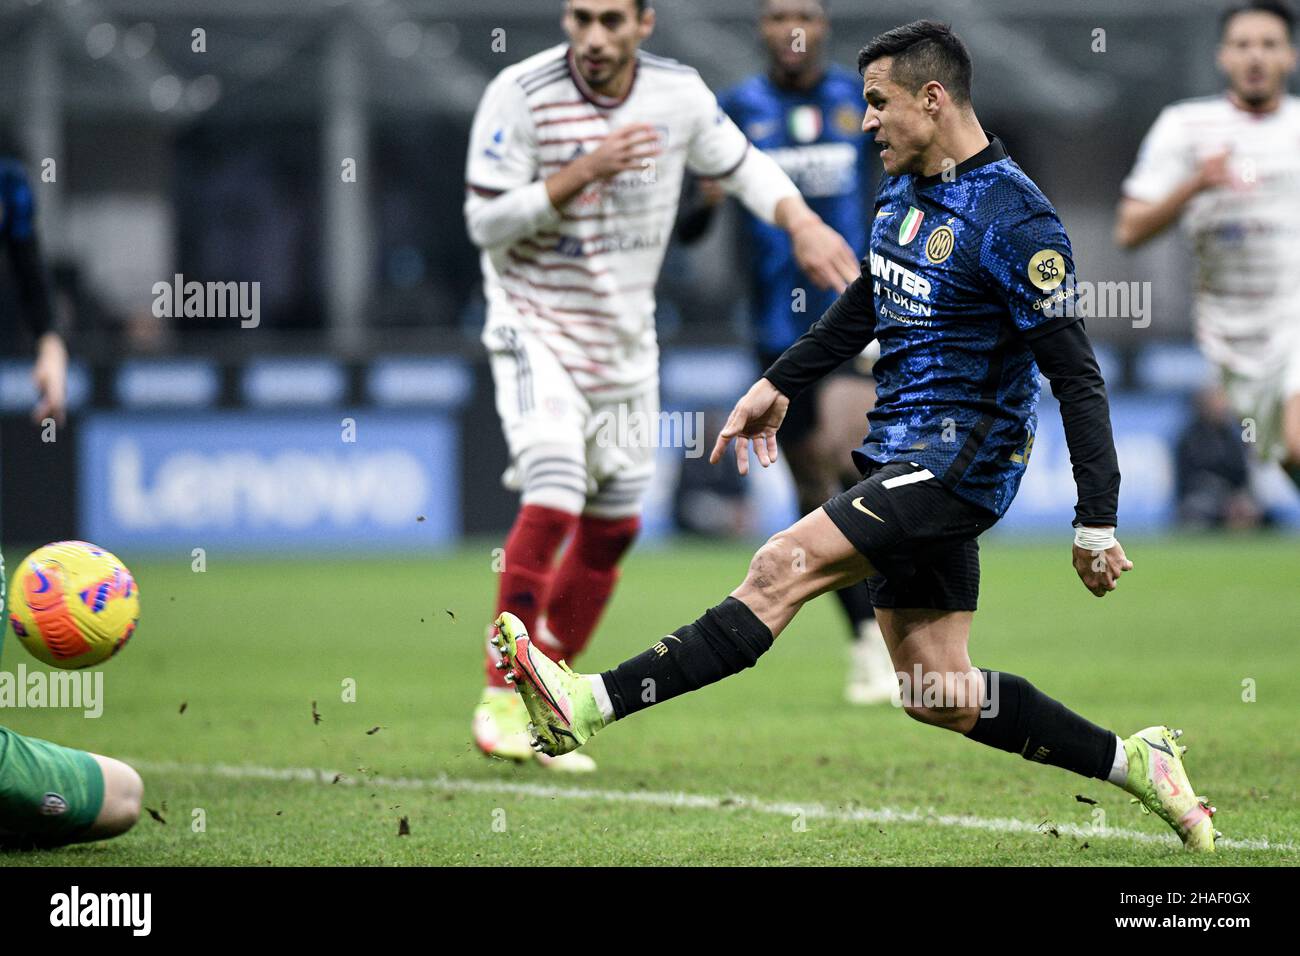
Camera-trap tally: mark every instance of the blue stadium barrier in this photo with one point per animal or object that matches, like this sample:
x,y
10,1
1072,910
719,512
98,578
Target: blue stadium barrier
x,y
298,382
705,377
18,394
1173,367
168,383
401,382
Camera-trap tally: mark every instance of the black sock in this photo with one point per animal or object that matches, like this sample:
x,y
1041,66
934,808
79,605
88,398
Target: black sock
x,y
724,641
1017,717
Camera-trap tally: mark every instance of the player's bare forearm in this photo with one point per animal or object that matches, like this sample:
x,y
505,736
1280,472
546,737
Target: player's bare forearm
x,y
1138,221
629,148
821,252
569,180
50,375
793,213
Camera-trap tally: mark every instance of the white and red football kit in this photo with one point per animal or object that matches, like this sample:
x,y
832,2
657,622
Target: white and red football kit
x,y
1246,237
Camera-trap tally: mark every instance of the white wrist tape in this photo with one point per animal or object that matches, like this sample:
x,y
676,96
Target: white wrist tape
x,y
1094,539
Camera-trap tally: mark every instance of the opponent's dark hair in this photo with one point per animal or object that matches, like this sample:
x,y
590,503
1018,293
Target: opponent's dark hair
x,y
824,4
642,6
1279,8
923,50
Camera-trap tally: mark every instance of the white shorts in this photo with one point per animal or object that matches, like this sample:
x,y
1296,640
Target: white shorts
x,y
1259,401
564,442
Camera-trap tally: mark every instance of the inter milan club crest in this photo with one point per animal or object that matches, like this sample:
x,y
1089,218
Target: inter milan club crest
x,y
804,123
911,225
939,246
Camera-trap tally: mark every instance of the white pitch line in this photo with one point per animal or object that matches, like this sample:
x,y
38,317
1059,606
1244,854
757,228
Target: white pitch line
x,y
693,801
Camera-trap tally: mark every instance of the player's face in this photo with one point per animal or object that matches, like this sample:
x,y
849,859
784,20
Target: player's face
x,y
903,128
793,32
1256,56
604,35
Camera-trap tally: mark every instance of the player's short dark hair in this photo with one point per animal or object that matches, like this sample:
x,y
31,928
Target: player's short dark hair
x,y
923,50
1281,9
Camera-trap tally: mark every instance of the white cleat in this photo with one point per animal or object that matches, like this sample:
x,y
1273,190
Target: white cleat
x,y
871,673
572,762
499,724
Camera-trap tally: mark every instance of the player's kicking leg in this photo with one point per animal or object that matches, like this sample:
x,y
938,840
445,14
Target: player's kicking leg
x,y
816,556
52,795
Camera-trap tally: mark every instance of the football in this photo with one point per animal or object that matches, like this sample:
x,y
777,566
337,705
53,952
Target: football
x,y
73,604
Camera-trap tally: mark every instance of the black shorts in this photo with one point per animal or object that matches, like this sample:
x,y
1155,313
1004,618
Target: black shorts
x,y
801,417
917,534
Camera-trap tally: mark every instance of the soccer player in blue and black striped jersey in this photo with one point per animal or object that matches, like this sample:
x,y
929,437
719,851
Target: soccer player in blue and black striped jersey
x,y
966,266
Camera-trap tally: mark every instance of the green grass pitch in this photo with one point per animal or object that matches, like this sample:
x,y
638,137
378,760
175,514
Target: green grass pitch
x,y
800,777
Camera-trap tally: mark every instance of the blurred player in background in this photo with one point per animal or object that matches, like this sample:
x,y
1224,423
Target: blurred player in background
x,y
575,169
964,261
22,248
808,117
1228,168
50,795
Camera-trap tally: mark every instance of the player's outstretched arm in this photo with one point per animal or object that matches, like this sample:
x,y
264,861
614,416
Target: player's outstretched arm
x,y
822,253
50,375
766,191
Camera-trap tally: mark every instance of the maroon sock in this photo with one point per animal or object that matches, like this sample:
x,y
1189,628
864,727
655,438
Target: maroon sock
x,y
530,550
586,579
